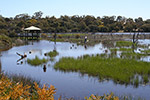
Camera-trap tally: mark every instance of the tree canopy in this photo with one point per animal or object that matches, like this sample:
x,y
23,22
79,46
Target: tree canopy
x,y
72,24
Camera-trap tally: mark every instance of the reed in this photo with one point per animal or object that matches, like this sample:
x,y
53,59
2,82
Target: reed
x,y
119,70
53,53
36,61
124,43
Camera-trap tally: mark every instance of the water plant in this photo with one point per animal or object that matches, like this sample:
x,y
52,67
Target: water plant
x,y
53,53
146,51
120,70
124,43
121,49
36,61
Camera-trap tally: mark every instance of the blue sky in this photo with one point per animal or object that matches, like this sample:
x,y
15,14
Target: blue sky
x,y
127,8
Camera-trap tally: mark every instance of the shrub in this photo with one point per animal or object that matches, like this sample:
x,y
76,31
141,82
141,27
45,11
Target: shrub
x,y
77,36
43,35
59,36
10,90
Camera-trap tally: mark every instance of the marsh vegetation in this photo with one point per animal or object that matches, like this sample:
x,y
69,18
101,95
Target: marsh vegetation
x,y
37,61
107,62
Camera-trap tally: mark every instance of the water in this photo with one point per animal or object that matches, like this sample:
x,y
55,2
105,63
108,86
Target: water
x,y
69,84
131,33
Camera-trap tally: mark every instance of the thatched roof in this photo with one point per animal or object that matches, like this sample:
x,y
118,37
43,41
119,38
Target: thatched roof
x,y
32,28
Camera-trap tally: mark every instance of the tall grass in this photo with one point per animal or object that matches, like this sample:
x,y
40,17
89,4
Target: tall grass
x,y
119,70
53,53
36,61
124,43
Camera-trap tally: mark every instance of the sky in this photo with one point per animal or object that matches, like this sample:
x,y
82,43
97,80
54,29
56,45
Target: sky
x,y
127,8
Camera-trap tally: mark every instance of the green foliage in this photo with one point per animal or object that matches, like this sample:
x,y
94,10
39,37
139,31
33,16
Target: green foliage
x,y
124,43
146,51
5,42
53,53
43,35
77,36
36,61
121,49
120,70
67,24
59,36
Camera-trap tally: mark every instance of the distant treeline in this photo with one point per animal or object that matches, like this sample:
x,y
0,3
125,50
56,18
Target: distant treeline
x,y
11,26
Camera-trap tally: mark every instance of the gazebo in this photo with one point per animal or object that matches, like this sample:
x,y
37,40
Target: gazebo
x,y
32,31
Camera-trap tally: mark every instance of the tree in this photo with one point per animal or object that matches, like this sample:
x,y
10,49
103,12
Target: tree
x,y
146,27
24,17
37,15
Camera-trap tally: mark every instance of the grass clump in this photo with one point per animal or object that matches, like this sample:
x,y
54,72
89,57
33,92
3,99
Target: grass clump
x,y
121,49
132,55
53,53
124,43
120,70
126,49
36,61
146,51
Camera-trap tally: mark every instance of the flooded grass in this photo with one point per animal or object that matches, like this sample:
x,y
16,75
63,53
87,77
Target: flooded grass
x,y
120,70
121,49
132,55
36,61
146,51
53,53
124,43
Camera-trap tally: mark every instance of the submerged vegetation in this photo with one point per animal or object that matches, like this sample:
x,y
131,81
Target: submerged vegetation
x,y
120,70
36,61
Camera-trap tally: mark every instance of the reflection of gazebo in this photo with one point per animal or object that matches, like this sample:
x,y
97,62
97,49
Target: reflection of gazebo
x,y
32,32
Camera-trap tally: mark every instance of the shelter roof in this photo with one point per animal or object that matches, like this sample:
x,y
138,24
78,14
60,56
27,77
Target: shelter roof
x,y
32,28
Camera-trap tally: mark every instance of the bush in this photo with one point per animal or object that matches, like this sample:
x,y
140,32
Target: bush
x,y
59,36
43,35
77,36
17,91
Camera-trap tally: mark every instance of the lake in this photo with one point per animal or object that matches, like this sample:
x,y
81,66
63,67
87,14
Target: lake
x,y
68,84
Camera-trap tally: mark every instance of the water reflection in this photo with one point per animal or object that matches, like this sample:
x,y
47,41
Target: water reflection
x,y
85,46
44,68
0,65
23,57
67,81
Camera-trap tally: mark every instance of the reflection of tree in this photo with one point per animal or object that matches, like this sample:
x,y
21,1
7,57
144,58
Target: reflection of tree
x,y
54,46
